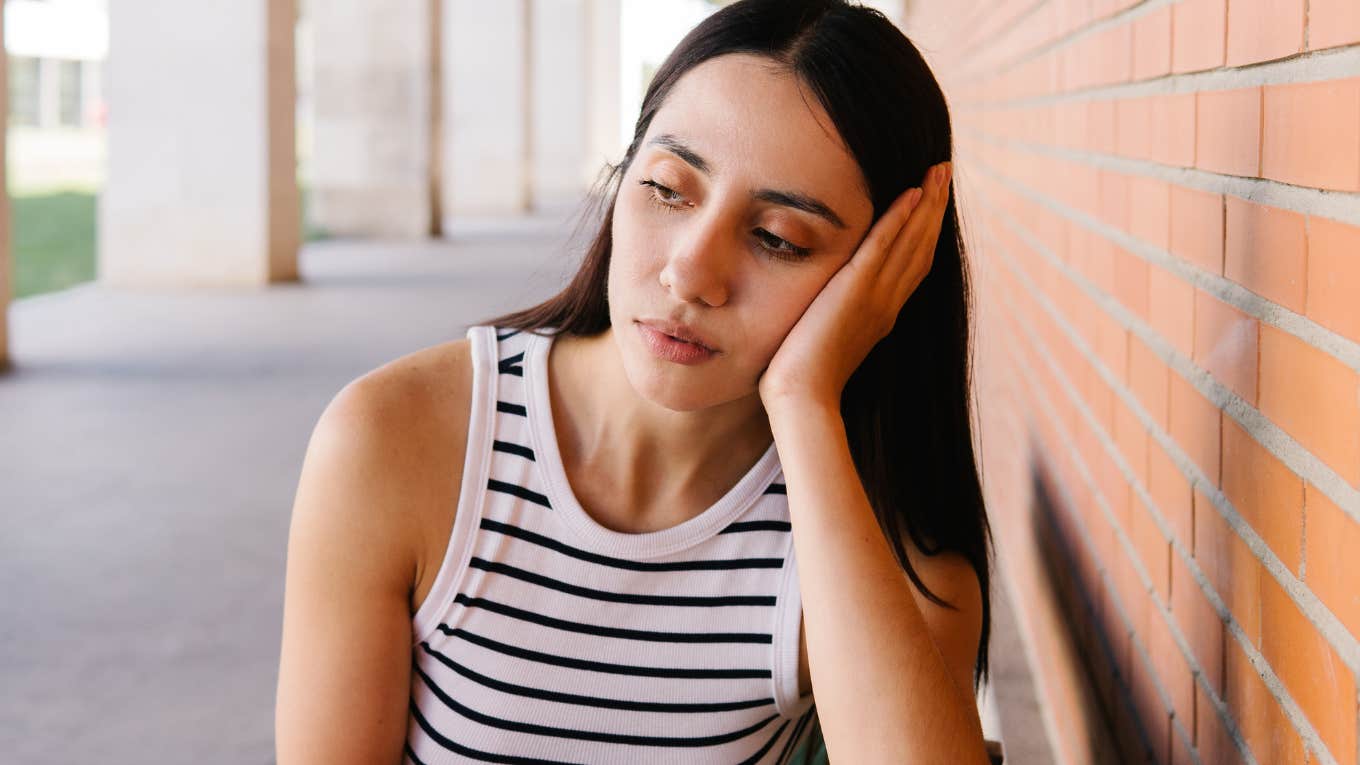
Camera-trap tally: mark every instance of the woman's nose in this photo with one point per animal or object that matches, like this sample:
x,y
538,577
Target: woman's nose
x,y
698,268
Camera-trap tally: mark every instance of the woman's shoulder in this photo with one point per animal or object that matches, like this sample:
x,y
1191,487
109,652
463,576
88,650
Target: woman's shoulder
x,y
403,428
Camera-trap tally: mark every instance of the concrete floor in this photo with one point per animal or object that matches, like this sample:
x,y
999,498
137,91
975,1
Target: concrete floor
x,y
150,443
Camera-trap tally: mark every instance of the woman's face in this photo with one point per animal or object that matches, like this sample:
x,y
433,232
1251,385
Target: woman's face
x,y
740,205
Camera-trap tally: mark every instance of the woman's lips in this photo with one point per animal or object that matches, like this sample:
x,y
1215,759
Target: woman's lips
x,y
668,348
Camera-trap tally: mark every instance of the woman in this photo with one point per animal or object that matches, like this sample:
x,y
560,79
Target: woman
x,y
648,519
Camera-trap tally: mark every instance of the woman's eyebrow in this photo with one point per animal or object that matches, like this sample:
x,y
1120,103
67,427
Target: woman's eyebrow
x,y
792,199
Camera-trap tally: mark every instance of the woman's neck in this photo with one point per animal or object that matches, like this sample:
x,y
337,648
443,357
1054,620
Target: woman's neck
x,y
634,465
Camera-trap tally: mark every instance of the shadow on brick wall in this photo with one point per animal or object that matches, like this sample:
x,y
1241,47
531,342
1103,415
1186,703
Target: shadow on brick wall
x,y
1094,629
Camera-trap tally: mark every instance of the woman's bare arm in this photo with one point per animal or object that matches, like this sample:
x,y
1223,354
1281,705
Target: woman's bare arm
x,y
344,668
892,672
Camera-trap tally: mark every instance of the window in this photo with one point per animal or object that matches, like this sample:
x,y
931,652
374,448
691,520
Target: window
x,y
23,90
69,94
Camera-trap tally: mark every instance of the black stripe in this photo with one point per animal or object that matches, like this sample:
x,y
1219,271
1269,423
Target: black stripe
x,y
590,735
509,408
793,737
510,365
508,335
458,748
614,632
509,448
777,488
590,701
753,759
602,666
518,491
631,565
757,526
620,597
411,752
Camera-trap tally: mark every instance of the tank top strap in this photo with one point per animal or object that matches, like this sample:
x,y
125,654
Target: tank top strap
x,y
486,365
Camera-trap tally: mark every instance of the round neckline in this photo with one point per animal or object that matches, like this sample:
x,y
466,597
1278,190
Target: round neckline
x,y
603,539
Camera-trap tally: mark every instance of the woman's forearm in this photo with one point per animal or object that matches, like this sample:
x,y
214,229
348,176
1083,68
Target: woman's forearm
x,y
884,693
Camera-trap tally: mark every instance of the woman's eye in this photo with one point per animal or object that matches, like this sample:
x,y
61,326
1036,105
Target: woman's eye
x,y
665,197
781,247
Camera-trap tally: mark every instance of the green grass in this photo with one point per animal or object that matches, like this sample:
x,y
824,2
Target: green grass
x,y
54,239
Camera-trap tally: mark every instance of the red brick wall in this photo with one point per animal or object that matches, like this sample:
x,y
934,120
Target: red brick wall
x,y
1163,205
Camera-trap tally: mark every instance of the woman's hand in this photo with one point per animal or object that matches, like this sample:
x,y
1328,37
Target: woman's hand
x,y
859,305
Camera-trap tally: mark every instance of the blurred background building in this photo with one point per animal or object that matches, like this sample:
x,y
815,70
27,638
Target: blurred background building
x,y
217,214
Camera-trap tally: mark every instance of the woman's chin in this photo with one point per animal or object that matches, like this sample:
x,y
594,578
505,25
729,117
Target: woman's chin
x,y
679,388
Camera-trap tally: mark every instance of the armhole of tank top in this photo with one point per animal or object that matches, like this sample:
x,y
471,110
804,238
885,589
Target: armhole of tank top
x,y
476,467
788,616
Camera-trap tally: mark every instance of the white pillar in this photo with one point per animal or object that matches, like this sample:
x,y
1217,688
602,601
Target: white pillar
x,y
373,87
6,233
606,141
559,106
485,170
201,186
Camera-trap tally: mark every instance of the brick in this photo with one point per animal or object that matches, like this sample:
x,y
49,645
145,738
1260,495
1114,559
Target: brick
x,y
1100,126
1093,256
1131,281
1195,424
1212,740
1270,736
1133,117
1150,211
1265,251
1171,308
1333,567
1266,492
1314,398
1197,224
1226,344
1230,566
1264,30
1172,134
1132,439
1228,131
1199,35
1334,275
1149,377
1154,717
1332,23
1152,44
1112,343
1199,623
1153,552
1170,491
1308,134
1114,198
1172,670
1310,669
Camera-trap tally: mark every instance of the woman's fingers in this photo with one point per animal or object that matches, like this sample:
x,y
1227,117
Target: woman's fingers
x,y
911,252
873,251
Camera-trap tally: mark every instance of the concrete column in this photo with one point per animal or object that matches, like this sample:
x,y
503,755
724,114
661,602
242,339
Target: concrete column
x,y
6,232
607,141
485,169
560,102
371,161
201,186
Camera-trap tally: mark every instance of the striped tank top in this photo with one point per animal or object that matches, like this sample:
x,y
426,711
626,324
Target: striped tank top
x,y
549,638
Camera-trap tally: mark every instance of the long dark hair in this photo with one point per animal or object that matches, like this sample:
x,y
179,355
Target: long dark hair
x,y
906,408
